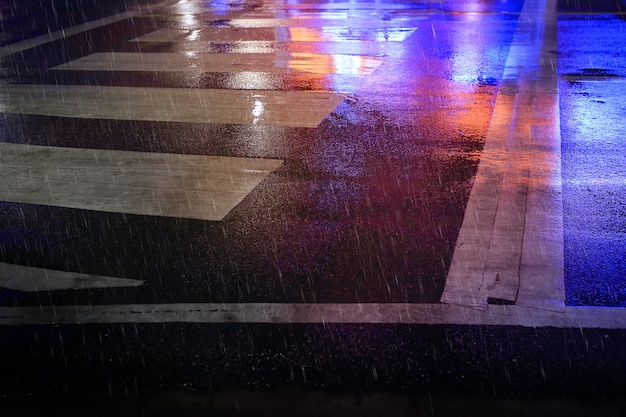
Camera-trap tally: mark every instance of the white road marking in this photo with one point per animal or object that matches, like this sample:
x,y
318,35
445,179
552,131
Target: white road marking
x,y
558,316
279,34
314,21
510,244
284,63
342,6
248,107
494,315
186,186
30,279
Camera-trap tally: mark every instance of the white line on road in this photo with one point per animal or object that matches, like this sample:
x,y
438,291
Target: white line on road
x,y
510,244
280,34
30,279
246,107
432,314
157,184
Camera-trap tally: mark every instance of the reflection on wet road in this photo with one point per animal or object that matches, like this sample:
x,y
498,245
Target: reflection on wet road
x,y
593,84
510,245
215,62
382,112
334,195
373,114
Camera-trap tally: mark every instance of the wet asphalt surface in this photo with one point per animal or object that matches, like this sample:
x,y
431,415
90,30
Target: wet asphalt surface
x,y
592,89
366,208
213,369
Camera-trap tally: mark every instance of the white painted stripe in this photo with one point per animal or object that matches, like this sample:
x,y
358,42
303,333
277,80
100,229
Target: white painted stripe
x,y
30,279
341,5
327,21
378,49
542,264
510,243
66,32
285,63
279,34
249,107
494,315
188,186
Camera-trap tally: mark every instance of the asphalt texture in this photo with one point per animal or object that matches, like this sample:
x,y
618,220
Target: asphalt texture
x,y
367,208
592,89
161,369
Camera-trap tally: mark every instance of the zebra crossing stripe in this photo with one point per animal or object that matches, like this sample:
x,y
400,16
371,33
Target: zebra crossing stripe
x,y
247,107
278,34
30,279
285,63
171,185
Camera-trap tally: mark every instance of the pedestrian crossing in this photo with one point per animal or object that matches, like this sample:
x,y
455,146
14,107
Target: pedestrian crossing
x,y
67,32
500,255
305,109
205,187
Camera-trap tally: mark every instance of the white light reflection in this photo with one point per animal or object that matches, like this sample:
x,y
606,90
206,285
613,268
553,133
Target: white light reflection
x,y
393,34
193,36
248,80
346,34
328,64
475,53
475,7
186,13
348,64
257,111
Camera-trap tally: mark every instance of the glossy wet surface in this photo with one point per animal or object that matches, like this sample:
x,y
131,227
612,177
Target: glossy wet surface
x,y
592,87
359,163
369,198
378,129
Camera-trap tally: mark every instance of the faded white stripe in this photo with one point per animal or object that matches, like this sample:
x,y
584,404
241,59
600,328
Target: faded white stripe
x,y
30,279
278,34
510,244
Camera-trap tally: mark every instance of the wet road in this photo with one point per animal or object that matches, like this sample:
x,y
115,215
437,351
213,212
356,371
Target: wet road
x,y
594,164
366,207
178,174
